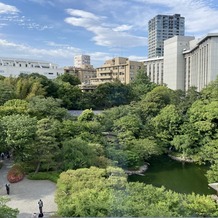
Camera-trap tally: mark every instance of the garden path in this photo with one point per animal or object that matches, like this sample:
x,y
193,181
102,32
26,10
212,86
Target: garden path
x,y
25,194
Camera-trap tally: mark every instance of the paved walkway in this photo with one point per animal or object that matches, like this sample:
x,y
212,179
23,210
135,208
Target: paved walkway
x,y
25,194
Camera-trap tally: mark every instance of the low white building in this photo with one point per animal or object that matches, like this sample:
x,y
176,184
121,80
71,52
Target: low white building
x,y
14,67
154,69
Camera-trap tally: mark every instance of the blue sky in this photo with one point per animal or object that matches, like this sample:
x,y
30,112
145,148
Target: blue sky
x,y
56,30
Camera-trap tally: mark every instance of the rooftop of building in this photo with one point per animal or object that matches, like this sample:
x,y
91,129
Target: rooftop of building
x,y
3,59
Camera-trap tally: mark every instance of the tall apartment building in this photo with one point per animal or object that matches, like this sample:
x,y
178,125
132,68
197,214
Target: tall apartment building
x,y
163,27
81,60
117,68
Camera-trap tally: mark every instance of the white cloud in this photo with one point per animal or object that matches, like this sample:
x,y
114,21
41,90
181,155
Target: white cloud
x,y
81,13
43,2
8,9
201,16
122,28
23,21
104,35
12,49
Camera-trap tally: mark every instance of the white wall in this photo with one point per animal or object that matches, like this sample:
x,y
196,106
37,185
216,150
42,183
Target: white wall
x,y
174,62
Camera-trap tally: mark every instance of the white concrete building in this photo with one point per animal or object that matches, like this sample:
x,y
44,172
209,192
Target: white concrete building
x,y
14,67
81,60
174,61
154,68
186,62
201,61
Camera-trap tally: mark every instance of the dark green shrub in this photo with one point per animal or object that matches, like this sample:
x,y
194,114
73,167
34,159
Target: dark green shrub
x,y
52,176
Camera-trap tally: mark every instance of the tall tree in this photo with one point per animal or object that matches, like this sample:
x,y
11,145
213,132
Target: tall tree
x,y
109,95
20,134
46,107
141,85
70,95
6,92
46,144
66,77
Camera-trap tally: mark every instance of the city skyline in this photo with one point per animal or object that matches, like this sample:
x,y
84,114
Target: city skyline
x,y
57,30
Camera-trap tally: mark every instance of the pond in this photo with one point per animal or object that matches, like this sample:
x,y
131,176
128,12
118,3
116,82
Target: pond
x,y
174,175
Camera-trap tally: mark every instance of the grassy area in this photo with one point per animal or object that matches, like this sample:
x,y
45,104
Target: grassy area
x,y
52,176
1,164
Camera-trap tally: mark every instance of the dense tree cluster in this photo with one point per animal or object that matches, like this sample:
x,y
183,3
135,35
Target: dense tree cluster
x,y
144,120
65,88
98,192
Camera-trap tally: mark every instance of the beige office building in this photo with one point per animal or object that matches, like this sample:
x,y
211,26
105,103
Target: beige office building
x,y
84,73
118,68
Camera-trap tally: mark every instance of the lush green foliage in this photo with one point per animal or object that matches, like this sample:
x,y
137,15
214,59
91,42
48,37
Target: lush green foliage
x,y
5,211
52,176
98,192
152,120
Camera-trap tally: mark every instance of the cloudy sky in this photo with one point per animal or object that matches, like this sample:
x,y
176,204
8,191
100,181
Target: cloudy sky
x,y
56,30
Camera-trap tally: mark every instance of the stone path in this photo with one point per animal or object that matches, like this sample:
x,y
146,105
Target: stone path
x,y
25,194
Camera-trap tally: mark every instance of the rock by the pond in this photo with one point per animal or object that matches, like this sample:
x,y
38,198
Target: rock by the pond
x,y
140,171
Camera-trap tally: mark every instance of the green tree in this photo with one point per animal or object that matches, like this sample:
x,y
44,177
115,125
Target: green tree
x,y
130,123
70,95
48,85
46,149
141,85
212,173
191,96
89,192
46,107
210,92
106,192
5,211
153,102
66,77
6,92
87,115
20,133
26,88
78,153
14,106
109,95
144,148
167,124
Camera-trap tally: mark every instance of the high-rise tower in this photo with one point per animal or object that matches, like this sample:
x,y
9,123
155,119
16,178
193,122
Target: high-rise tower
x,y
163,27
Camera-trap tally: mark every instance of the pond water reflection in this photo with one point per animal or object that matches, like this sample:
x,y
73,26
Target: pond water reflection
x,y
174,175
